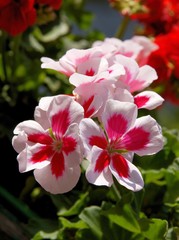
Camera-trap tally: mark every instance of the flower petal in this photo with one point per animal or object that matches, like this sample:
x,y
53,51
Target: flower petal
x,y
72,146
126,173
144,138
148,99
144,78
98,172
118,117
92,135
63,111
55,185
51,64
92,97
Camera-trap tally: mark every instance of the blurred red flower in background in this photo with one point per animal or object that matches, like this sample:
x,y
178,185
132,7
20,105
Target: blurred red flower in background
x,y
158,16
165,60
16,16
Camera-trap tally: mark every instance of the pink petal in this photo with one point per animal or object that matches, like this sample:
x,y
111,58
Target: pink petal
x,y
63,111
58,164
132,180
98,172
120,165
78,79
51,64
118,117
92,97
40,138
57,185
29,127
131,69
122,94
69,145
19,142
135,139
92,66
86,106
44,153
35,156
144,78
72,146
91,135
148,99
102,161
144,138
60,122
98,141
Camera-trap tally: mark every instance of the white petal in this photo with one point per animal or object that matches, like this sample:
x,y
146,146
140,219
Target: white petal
x,y
50,64
19,141
29,127
62,184
155,141
88,129
98,178
75,157
133,182
144,78
151,100
124,115
67,103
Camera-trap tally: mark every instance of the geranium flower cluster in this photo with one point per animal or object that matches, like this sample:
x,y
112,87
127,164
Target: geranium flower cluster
x,y
17,16
98,122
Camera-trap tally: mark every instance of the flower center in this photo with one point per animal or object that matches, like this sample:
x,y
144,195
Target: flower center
x,y
57,145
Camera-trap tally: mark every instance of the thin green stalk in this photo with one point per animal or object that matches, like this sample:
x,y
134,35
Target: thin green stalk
x,y
122,27
116,192
15,48
3,51
17,204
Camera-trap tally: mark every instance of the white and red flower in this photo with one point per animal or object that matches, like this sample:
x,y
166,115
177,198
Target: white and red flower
x,y
51,147
87,62
110,151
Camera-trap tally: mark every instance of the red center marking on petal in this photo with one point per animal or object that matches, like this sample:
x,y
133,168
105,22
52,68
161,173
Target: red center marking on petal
x,y
98,141
60,122
136,139
69,145
120,165
58,164
102,161
40,138
141,101
88,112
43,154
117,126
90,72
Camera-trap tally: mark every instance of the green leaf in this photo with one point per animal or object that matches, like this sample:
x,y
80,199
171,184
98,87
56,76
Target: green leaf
x,y
43,235
154,176
77,207
75,225
56,32
173,233
91,216
172,182
124,216
154,228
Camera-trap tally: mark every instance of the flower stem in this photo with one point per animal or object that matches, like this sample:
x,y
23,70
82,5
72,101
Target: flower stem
x,y
17,204
116,192
3,51
122,27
